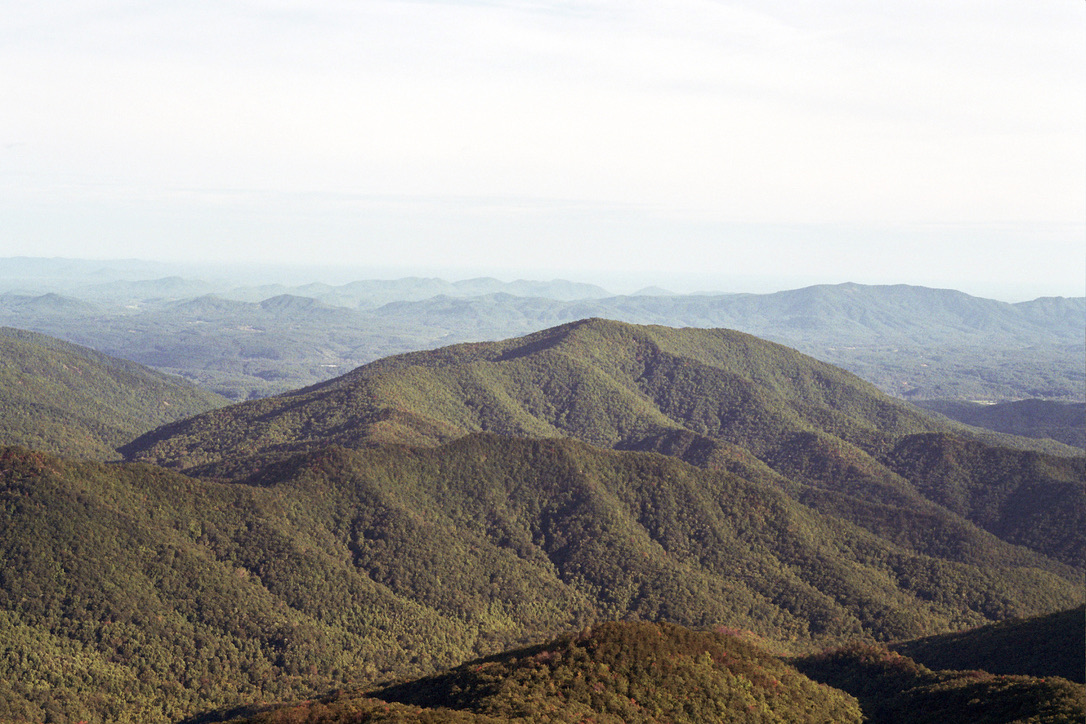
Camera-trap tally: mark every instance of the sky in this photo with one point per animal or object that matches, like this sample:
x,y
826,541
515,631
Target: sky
x,y
691,144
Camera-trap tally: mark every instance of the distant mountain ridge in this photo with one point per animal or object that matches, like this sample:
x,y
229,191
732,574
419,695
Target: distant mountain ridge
x,y
856,313
913,342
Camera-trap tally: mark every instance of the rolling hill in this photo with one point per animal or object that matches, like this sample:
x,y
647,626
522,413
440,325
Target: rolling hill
x,y
616,673
62,398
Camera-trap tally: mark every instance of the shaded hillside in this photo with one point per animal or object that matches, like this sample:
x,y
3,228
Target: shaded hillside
x,y
1023,497
1052,645
715,398
137,594
1063,421
894,689
62,398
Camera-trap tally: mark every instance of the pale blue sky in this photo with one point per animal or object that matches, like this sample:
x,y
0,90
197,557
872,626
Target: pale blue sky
x,y
689,143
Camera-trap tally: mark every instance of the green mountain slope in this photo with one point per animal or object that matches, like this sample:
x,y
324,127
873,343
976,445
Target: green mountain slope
x,y
607,383
715,398
62,398
136,594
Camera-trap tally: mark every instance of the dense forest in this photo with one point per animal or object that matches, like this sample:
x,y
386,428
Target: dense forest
x,y
664,673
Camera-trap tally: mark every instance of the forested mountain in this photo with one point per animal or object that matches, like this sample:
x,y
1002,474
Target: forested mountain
x,y
715,398
614,673
608,383
62,398
433,507
137,594
659,673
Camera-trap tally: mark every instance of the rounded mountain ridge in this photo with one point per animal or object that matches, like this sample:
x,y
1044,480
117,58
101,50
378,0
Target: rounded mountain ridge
x,y
611,384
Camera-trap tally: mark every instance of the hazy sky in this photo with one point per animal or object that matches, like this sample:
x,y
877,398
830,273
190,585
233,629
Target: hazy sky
x,y
731,145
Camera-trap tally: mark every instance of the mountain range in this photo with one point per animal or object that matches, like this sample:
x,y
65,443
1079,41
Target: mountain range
x,y
714,398
913,342
434,507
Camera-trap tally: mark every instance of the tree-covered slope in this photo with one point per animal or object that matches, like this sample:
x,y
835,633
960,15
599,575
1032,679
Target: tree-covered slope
x,y
130,593
716,398
62,398
663,673
1024,497
631,672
